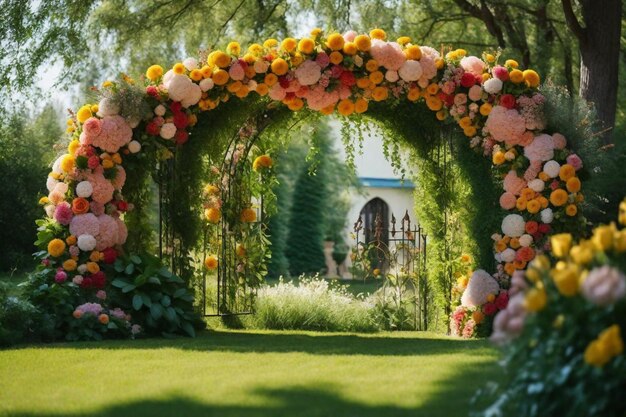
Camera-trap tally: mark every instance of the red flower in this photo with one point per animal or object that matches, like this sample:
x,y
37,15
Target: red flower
x,y
468,80
181,137
525,254
93,162
243,64
98,279
175,106
152,91
545,228
532,227
110,255
490,309
180,120
448,99
537,236
284,82
347,78
122,206
508,101
479,79
153,128
502,300
554,185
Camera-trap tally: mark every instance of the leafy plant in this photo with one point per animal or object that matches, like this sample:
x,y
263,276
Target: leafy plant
x,y
160,301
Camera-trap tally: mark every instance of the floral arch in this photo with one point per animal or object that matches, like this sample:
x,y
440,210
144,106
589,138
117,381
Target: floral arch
x,y
138,129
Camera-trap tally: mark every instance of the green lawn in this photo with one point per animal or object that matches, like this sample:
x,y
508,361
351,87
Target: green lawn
x,y
249,373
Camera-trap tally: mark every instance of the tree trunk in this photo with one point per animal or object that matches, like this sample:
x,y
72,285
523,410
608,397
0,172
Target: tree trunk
x,y
599,53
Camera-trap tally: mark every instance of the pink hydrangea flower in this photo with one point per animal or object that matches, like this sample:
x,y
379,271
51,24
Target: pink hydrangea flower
x,y
102,188
506,125
114,134
559,141
107,232
388,54
508,201
514,184
541,148
84,224
473,65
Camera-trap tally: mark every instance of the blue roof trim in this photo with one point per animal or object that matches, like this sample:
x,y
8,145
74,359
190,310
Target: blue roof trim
x,y
386,182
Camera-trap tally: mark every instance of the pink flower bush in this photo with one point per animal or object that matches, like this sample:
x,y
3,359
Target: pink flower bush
x,y
575,161
102,188
541,149
388,54
514,184
90,308
505,125
473,65
108,232
84,224
114,133
469,329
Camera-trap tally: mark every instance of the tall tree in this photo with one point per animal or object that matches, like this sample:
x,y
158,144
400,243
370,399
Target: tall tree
x,y
599,45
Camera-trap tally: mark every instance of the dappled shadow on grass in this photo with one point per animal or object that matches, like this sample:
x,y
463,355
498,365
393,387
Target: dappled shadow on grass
x,y
451,399
313,343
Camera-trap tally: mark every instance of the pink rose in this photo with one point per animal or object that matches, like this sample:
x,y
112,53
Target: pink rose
x,y
508,200
500,73
575,161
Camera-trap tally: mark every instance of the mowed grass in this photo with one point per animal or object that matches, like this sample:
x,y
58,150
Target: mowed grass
x,y
249,373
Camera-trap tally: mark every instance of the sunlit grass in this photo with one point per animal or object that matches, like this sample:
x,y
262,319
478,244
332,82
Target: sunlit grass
x,y
248,373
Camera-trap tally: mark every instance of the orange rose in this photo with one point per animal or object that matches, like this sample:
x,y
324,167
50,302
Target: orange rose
x,y
80,205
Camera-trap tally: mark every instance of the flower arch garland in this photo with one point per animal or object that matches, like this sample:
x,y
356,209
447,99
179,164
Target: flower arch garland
x,y
497,105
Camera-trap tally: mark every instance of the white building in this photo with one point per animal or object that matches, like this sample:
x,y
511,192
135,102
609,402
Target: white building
x,y
383,192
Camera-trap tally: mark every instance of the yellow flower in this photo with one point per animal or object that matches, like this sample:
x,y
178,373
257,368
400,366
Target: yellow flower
x,y
413,94
349,48
485,109
371,65
262,89
69,265
535,299
44,200
345,107
211,262
219,58
220,77
315,32
511,63
270,43
620,241
211,189
612,340
93,267
478,316
213,215
378,34
279,66
196,74
432,89
240,250
498,158
608,345
306,45
469,131
558,197
234,48
71,240
335,41
622,213
571,210
363,43
603,237
413,52
67,163
566,280
561,244
83,113
533,206
376,77
516,76
490,58
380,93
532,78
179,68
403,40
263,161
270,79
154,72
248,215
56,247
583,253
434,103
573,185
566,172
596,354
360,106
336,57
73,147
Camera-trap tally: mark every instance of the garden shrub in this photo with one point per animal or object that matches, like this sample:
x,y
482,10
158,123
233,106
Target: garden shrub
x,y
313,304
16,317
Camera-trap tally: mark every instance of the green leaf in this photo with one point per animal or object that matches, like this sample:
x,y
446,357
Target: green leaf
x,y
188,328
166,301
170,314
154,280
135,259
130,268
119,283
137,301
179,292
112,325
119,265
128,288
146,299
156,310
